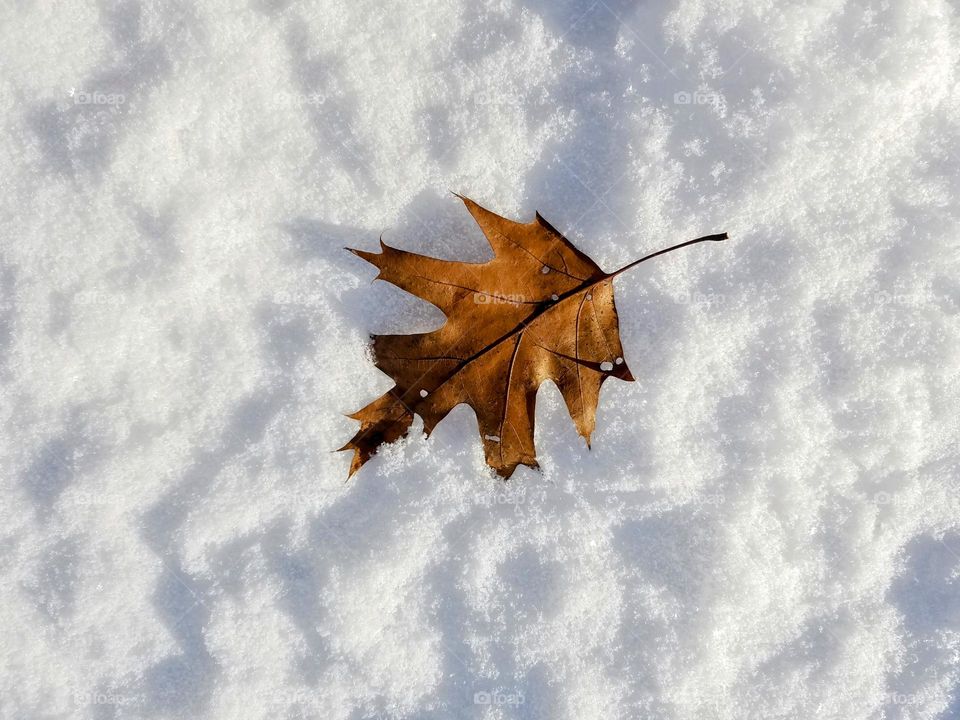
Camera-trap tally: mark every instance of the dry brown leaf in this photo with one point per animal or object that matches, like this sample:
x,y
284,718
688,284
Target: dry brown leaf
x,y
539,310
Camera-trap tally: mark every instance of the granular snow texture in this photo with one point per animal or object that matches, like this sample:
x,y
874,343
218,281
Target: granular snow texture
x,y
768,524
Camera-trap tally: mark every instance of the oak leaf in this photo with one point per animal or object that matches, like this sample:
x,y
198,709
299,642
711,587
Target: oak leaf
x,y
539,310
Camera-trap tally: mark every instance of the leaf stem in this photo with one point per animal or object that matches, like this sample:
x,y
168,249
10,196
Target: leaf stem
x,y
705,238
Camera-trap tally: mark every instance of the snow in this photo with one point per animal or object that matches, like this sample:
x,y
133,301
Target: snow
x,y
768,523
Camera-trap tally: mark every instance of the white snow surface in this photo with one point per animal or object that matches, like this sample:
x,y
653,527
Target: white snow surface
x,y
768,524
